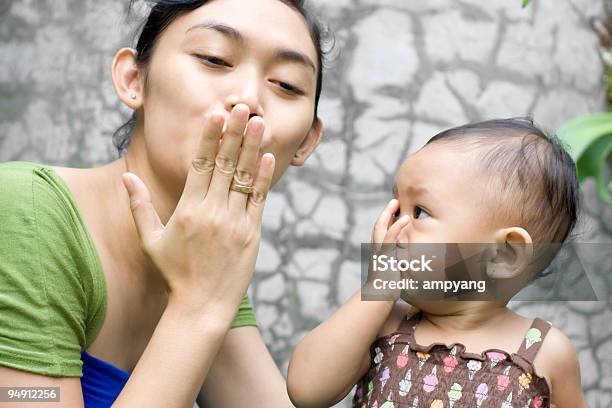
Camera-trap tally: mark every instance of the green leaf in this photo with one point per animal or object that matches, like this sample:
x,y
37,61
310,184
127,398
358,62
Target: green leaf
x,y
526,3
589,140
593,164
579,133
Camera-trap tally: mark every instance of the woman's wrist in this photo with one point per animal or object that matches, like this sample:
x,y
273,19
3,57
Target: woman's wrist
x,y
184,345
215,318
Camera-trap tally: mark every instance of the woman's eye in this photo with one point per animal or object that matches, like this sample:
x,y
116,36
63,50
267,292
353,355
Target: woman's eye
x,y
290,89
420,213
396,214
214,61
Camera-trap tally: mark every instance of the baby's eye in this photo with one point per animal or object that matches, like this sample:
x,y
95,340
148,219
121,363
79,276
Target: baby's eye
x,y
396,214
420,213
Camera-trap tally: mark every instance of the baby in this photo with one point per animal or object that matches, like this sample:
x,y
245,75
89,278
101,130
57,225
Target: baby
x,y
502,182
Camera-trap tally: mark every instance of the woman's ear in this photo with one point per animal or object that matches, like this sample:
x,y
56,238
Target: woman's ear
x,y
512,254
309,144
126,78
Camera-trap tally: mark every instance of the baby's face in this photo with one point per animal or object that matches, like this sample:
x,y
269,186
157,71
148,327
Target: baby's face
x,y
443,190
451,201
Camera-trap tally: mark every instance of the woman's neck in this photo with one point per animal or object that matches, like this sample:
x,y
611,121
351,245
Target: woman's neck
x,y
114,221
165,194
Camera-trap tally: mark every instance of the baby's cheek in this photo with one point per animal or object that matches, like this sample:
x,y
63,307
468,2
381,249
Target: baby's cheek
x,y
426,231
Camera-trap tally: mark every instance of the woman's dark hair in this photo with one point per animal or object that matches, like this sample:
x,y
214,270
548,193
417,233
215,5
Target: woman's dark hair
x,y
164,12
529,171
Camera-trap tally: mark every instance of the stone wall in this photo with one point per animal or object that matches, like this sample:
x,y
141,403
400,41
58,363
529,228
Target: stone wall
x,y
401,71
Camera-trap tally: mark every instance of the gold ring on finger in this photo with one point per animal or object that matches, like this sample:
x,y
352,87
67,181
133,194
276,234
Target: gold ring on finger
x,y
241,188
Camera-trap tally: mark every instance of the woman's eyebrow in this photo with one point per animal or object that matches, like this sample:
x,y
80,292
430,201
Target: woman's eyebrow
x,y
295,56
221,28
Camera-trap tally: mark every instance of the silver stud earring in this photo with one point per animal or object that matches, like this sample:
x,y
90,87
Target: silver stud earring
x,y
133,95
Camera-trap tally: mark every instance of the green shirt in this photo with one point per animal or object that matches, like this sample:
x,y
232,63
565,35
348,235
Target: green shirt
x,y
52,287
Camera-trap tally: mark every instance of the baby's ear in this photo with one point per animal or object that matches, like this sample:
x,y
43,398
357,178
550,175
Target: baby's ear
x,y
512,254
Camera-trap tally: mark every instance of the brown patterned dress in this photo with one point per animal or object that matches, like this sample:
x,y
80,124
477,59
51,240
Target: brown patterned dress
x,y
404,374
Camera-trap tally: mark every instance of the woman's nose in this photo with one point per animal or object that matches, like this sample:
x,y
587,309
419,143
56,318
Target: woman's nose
x,y
248,96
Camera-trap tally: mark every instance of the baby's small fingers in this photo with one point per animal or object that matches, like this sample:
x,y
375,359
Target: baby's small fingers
x,y
383,221
396,228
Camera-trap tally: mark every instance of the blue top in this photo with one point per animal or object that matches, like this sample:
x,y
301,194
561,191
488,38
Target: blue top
x,y
102,382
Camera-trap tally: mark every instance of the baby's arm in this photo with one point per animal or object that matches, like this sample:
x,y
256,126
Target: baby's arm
x,y
559,358
328,362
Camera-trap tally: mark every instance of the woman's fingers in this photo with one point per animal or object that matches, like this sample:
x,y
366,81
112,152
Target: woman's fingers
x,y
145,217
203,164
261,186
227,157
247,164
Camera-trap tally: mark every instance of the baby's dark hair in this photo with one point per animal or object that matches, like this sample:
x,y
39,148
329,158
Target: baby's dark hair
x,y
164,12
529,170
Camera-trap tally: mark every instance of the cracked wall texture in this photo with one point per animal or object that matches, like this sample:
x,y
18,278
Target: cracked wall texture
x,y
401,71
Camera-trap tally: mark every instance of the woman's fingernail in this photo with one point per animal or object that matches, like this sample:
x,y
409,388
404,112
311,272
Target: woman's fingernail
x,y
241,107
267,159
257,124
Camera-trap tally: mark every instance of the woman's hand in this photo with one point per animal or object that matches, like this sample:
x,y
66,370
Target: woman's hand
x,y
207,251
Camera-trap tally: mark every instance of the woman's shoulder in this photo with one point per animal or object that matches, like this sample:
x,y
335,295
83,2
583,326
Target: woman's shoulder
x,y
33,195
48,270
18,188
20,180
42,232
15,175
39,214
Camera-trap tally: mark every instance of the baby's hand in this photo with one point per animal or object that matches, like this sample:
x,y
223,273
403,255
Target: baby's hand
x,y
386,231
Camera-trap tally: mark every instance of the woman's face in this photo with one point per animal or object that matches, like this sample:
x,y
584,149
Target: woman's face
x,y
227,52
